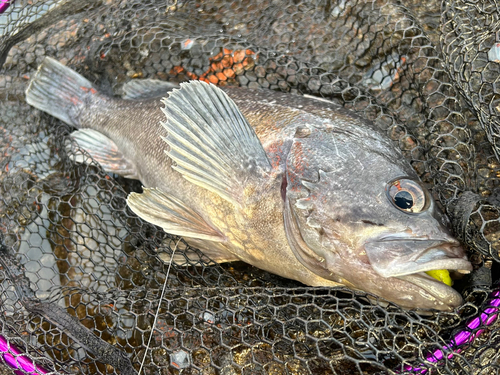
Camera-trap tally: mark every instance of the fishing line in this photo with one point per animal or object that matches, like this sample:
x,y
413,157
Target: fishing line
x,y
159,305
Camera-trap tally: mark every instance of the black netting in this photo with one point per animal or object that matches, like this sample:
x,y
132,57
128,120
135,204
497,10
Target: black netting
x,y
425,73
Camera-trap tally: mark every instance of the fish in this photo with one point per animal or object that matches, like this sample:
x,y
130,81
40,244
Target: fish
x,y
296,186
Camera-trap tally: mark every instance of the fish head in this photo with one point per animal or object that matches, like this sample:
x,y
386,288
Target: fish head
x,y
356,213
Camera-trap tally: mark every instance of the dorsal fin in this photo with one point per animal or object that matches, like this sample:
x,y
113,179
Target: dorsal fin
x,y
147,88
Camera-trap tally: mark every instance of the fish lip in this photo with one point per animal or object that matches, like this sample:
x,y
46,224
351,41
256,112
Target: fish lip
x,y
400,254
445,238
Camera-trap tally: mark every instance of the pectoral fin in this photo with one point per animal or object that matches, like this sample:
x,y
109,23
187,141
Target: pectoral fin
x,y
104,151
172,215
211,142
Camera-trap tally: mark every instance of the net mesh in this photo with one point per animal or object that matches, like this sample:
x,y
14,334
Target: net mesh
x,y
425,73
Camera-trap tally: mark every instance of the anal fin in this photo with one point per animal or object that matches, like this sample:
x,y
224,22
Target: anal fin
x,y
104,151
216,251
172,215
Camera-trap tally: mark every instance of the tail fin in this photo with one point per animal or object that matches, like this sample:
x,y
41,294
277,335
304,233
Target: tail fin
x,y
59,91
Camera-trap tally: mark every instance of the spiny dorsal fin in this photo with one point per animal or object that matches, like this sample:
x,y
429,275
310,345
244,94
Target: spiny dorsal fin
x,y
212,143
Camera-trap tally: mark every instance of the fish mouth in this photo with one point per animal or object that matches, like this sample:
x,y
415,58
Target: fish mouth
x,y
408,259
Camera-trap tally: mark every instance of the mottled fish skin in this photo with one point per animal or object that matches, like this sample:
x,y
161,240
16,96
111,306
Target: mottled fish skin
x,y
320,215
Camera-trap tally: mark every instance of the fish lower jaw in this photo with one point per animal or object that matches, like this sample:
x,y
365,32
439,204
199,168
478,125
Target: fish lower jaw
x,y
436,290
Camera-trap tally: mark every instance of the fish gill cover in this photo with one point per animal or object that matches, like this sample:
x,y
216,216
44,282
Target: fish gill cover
x,y
75,260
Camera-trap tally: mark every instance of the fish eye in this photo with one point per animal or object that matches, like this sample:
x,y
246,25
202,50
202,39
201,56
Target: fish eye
x,y
407,195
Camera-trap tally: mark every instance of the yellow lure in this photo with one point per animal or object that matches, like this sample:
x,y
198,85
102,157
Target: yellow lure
x,y
441,275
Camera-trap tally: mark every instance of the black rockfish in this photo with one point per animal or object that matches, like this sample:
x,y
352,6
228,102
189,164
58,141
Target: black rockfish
x,y
293,185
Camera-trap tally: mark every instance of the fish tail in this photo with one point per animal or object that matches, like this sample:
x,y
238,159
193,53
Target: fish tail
x,y
59,91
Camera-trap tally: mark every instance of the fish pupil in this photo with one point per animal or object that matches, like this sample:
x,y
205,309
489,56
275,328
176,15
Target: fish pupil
x,y
403,200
